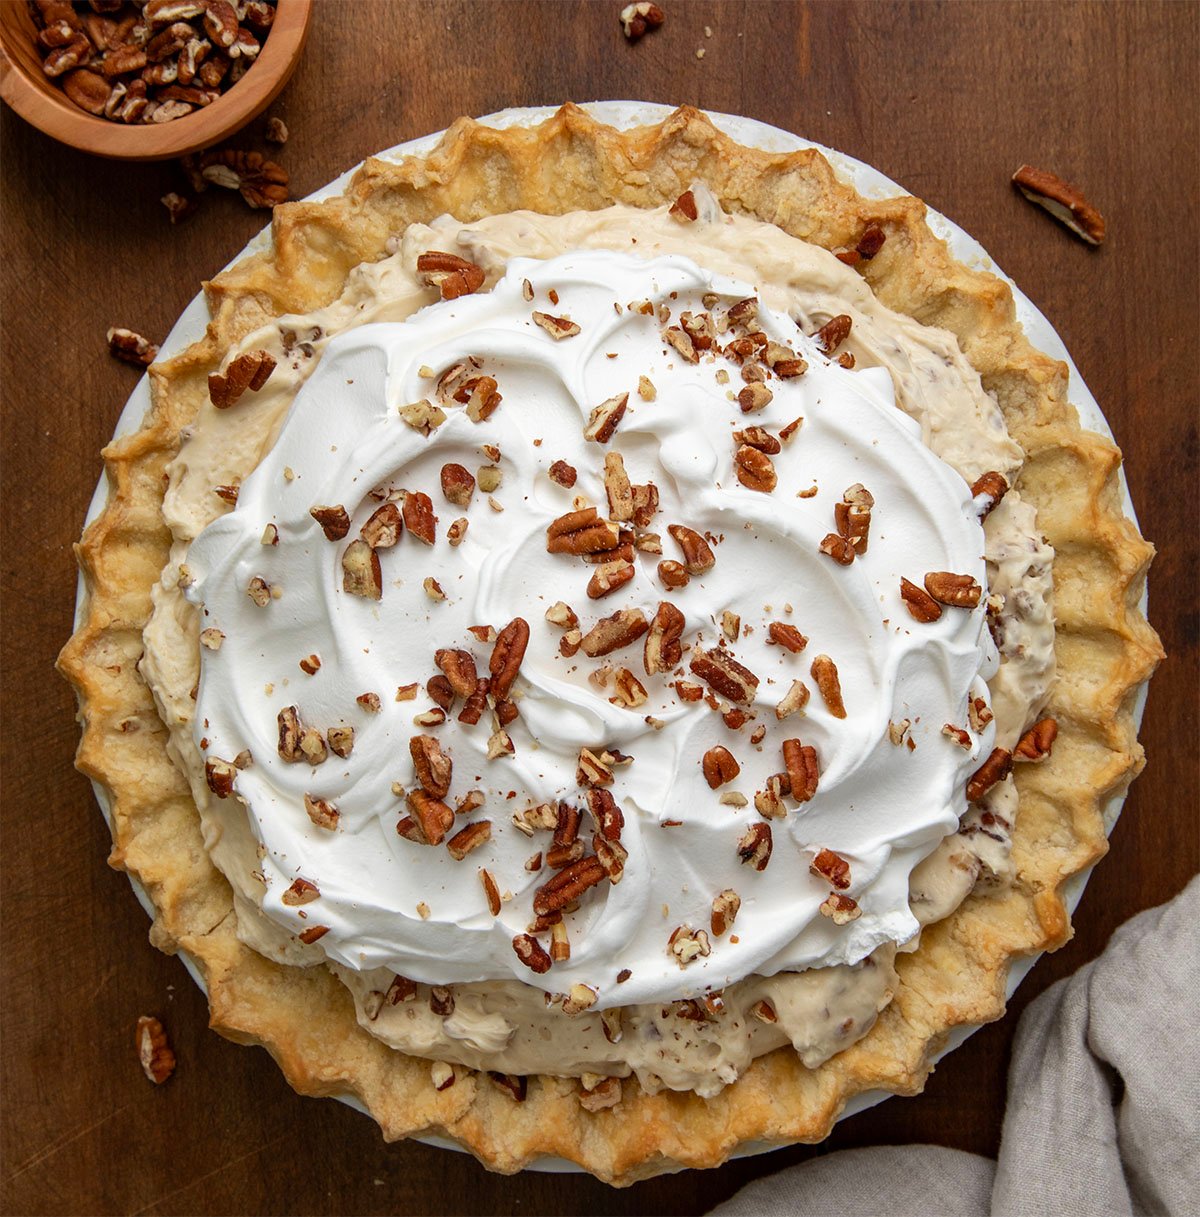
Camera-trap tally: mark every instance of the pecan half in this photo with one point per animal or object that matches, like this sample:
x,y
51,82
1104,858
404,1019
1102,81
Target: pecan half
x,y
603,421
825,673
755,469
1037,742
995,769
334,520
451,275
723,674
459,667
361,572
662,650
831,867
719,766
581,532
507,655
382,530
800,761
698,556
1063,201
434,817
920,604
958,591
614,633
754,846
433,767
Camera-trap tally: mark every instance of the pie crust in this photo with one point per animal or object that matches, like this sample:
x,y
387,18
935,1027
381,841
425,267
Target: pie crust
x,y
1105,649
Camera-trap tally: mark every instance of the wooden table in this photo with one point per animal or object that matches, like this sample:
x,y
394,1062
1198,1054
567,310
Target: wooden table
x,y
948,100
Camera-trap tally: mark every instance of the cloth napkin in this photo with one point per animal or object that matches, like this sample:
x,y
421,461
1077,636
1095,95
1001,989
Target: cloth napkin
x,y
1103,1104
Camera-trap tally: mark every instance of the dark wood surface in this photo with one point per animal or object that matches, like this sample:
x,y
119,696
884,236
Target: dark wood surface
x,y
946,99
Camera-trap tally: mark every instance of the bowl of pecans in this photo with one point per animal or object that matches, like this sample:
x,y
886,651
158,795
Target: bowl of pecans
x,y
147,80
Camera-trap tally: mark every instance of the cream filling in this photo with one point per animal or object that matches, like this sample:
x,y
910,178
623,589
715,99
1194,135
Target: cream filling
x,y
506,1025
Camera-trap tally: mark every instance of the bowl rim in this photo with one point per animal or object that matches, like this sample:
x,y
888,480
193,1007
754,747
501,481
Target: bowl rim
x,y
55,115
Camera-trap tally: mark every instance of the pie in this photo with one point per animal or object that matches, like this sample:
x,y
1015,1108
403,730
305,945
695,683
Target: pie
x,y
610,646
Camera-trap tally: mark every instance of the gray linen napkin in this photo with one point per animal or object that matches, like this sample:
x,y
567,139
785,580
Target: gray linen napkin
x,y
1103,1104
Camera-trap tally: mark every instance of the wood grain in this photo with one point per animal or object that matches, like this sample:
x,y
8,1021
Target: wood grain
x,y
947,99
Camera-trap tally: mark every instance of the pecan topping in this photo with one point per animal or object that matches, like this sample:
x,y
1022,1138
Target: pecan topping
x,y
840,909
995,769
603,421
423,416
719,767
606,813
673,575
491,891
786,636
755,469
451,275
1037,742
609,578
769,803
469,838
433,816
441,691
313,932
754,846
301,892
611,855
459,667
662,650
384,527
334,521
617,487
837,548
921,605
219,775
581,532
698,557
825,673
605,1093
561,614
563,474
1063,201
793,701
684,208
629,692
531,953
958,591
760,438
686,945
153,1049
475,704
754,397
725,907
499,745
979,713
481,397
567,885
640,17
557,327
321,812
987,492
131,347
614,633
341,740
833,333
831,867
249,371
957,734
800,761
458,484
419,517
291,730
852,516
361,572
507,655
723,674
432,765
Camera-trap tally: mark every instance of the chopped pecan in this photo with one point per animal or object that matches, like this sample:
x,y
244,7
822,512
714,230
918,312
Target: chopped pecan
x,y
563,474
793,701
662,650
840,909
451,275
301,892
755,469
423,416
309,936
153,1049
433,816
754,846
321,812
557,327
441,691
719,766
722,673
614,633
1064,202
334,520
419,517
1037,742
686,945
786,636
831,867
432,765
249,371
130,347
920,604
725,908
769,802
341,740
609,578
611,855
957,734
833,333
361,572
995,769
507,656
684,208
987,492
604,1093
698,556
568,885
979,713
617,487
958,591
581,532
490,891
469,838
382,530
458,484
459,667
754,397
837,548
852,516
760,438
629,692
673,575
512,1085
800,761
531,953
475,704
825,673
219,775
640,17
561,614
603,421
606,813
593,770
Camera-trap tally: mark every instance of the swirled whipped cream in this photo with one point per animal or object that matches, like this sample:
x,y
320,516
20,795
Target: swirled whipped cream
x,y
290,642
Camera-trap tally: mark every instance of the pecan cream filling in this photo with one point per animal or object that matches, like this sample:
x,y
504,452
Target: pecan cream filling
x,y
557,682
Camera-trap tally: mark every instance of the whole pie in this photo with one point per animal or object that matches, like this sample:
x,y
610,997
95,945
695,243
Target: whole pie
x,y
610,646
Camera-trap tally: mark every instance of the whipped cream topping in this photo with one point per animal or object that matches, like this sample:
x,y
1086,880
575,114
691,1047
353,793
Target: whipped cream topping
x,y
412,909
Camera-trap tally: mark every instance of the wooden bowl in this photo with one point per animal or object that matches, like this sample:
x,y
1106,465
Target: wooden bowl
x,y
41,101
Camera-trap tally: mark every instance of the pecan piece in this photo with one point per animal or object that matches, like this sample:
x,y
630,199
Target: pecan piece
x,y
724,675
507,656
334,520
249,371
606,813
754,846
837,548
423,416
754,397
760,438
684,208
614,633
786,636
617,487
451,275
755,469
219,775
459,667
433,767
719,766
581,532
662,650
531,953
361,572
995,769
1037,742
475,704
686,945
419,517
1063,201
825,673
563,474
557,327
987,492
490,891
130,347
958,591
609,578
469,838
840,909
641,17
433,816
382,530
458,484
800,761
793,701
725,908
833,333
321,812
301,892
920,604
673,575
852,516
153,1049
629,691
831,867
698,556
604,418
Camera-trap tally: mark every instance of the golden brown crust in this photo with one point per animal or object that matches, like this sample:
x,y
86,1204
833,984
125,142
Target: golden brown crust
x,y
1105,648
